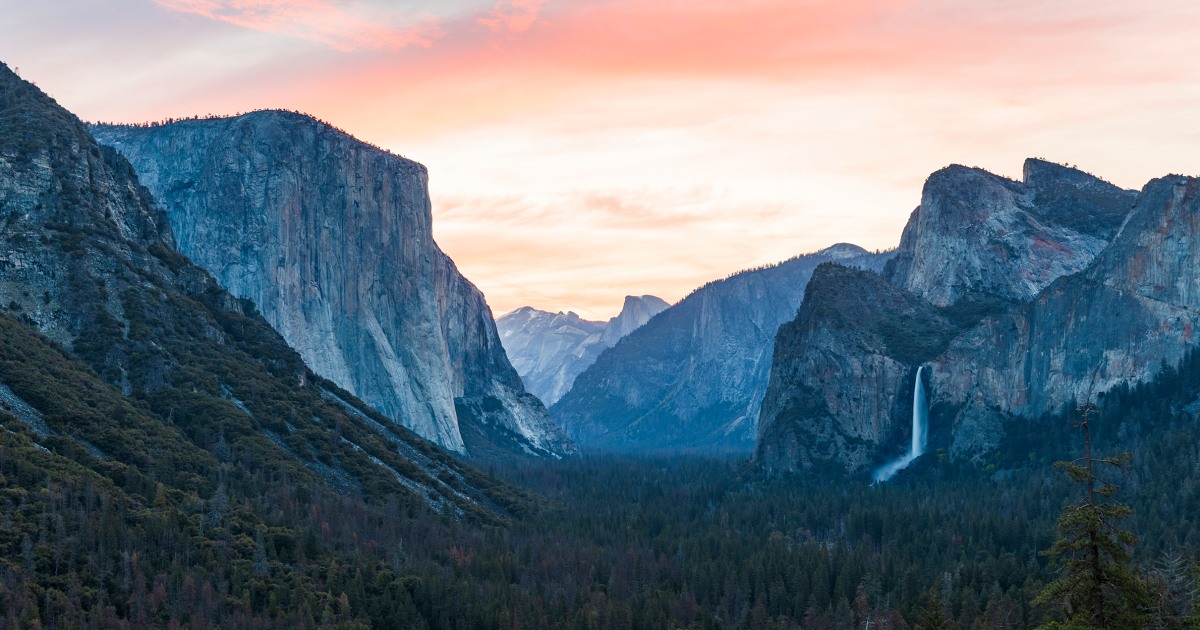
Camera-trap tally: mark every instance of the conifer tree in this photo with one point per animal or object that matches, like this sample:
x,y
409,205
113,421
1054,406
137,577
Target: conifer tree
x,y
1097,587
933,612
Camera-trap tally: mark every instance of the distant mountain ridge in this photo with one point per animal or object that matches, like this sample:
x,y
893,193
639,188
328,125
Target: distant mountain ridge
x,y
332,240
693,377
549,350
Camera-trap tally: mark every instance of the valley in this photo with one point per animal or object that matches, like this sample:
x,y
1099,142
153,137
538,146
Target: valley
x,y
242,386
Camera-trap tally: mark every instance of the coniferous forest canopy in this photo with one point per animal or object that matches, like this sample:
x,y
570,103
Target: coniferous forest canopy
x,y
602,542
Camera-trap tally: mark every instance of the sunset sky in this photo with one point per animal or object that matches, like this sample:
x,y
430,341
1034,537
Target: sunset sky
x,y
580,151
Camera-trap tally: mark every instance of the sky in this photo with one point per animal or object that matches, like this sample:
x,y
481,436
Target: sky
x,y
580,151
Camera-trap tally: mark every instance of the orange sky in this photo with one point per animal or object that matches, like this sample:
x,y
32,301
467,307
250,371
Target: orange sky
x,y
582,151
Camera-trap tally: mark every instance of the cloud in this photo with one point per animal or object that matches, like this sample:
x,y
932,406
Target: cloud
x,y
605,244
515,16
343,26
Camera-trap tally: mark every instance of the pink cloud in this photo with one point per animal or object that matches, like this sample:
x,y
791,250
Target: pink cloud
x,y
343,26
515,16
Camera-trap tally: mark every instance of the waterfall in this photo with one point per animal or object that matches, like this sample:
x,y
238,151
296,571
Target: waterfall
x,y
920,434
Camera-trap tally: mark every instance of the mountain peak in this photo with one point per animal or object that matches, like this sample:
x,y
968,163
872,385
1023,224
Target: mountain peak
x,y
977,233
1037,172
637,310
839,251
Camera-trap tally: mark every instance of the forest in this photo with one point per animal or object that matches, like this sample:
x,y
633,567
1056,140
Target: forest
x,y
611,542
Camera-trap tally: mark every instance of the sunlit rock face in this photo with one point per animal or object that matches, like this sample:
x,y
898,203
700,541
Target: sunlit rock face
x,y
549,350
693,377
331,238
1019,297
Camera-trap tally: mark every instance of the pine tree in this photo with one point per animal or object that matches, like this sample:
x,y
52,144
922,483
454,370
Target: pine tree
x,y
933,614
1096,586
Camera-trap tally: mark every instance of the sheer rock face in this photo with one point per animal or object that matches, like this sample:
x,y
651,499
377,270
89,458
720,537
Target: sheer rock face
x,y
837,388
549,350
1136,307
1019,296
87,259
331,239
693,377
978,233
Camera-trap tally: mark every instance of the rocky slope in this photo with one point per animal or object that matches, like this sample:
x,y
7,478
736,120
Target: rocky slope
x,y
1039,316
549,350
977,233
331,238
694,376
839,370
158,370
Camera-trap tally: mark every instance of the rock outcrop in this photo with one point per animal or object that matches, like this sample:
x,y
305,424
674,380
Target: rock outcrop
x,y
635,312
976,233
838,370
694,376
1055,290
157,371
1135,309
549,350
331,238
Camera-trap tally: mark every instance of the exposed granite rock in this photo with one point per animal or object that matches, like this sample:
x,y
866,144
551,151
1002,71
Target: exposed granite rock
x,y
87,260
1136,308
549,350
843,371
976,233
694,376
331,238
635,312
1133,309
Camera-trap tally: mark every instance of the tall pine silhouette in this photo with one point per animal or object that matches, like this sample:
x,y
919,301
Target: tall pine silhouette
x,y
1096,586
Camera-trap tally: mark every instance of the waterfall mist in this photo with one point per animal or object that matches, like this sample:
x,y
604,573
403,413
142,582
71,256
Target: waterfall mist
x,y
920,434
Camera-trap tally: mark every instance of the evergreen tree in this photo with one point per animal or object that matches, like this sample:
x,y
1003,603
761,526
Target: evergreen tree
x,y
933,613
1096,586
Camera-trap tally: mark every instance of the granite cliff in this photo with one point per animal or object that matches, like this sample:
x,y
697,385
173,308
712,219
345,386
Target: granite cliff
x,y
635,312
549,350
331,238
1020,297
1134,310
693,377
839,370
978,234
133,363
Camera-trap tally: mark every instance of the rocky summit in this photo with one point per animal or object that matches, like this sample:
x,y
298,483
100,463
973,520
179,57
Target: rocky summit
x,y
549,350
331,238
693,377
976,233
